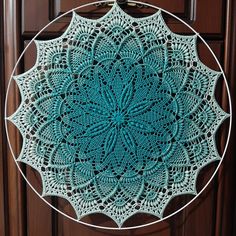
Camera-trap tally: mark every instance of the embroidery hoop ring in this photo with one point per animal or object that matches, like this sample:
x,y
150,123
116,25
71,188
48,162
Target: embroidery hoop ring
x,y
226,144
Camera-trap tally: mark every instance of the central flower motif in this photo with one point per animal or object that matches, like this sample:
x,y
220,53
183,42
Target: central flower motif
x,y
120,111
119,106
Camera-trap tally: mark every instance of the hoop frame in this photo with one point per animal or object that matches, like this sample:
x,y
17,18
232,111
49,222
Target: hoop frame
x,y
225,148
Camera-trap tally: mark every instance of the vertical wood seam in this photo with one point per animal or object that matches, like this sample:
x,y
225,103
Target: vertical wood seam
x,y
14,185
225,222
4,217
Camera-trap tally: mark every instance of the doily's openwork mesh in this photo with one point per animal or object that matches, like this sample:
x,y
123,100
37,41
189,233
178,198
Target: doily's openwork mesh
x,y
118,115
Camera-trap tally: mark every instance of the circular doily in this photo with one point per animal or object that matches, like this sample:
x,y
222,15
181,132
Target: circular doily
x,y
118,115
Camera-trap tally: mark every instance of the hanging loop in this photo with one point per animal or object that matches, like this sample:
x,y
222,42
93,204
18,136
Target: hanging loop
x,y
121,2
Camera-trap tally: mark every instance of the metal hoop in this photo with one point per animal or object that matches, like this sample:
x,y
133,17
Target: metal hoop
x,y
133,3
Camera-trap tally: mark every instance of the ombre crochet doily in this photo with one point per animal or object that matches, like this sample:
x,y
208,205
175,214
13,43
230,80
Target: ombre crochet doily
x,y
118,115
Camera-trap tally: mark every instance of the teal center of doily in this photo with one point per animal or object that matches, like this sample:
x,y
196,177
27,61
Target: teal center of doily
x,y
118,118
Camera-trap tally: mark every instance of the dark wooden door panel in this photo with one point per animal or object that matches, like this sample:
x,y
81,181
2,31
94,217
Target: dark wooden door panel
x,y
197,13
177,7
39,214
26,214
3,189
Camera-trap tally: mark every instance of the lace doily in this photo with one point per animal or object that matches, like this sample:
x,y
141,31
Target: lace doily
x,y
118,115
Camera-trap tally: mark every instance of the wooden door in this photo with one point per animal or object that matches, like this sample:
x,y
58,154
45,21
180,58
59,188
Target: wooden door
x,y
23,213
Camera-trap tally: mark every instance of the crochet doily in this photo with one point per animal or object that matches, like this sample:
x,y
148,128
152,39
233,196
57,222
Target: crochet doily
x,y
118,115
